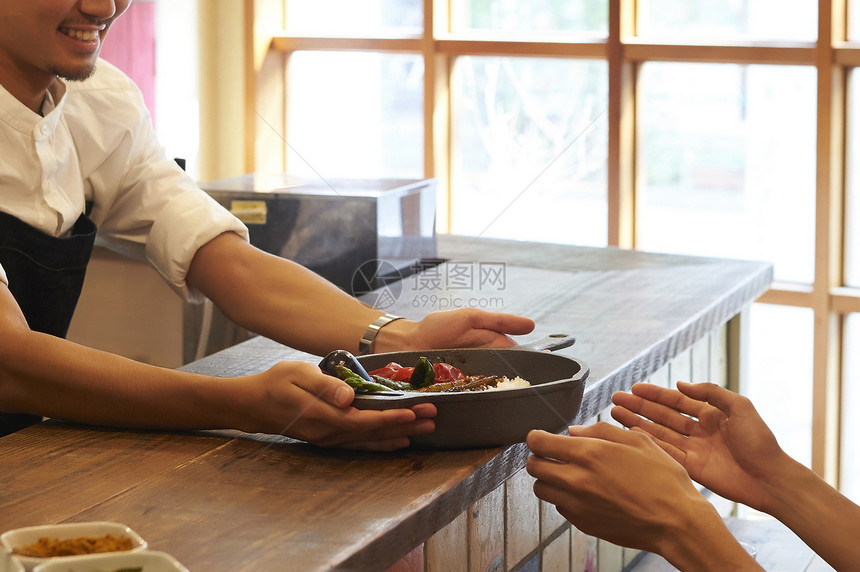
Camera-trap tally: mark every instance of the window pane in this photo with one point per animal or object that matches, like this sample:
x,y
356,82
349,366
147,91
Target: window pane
x,y
849,479
531,16
780,380
728,163
853,20
351,18
736,19
852,198
356,115
529,149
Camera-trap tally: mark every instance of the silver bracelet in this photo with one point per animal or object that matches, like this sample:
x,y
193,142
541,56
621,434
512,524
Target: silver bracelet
x,y
368,341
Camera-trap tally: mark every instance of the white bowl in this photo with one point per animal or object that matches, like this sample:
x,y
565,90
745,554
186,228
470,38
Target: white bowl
x,y
23,536
9,563
148,560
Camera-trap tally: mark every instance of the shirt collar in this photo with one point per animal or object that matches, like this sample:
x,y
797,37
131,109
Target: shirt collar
x,y
22,118
54,97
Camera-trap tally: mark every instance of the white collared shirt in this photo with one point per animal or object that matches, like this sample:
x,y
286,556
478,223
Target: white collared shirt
x,y
95,142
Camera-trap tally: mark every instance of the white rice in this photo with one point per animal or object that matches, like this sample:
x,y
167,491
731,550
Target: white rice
x,y
510,384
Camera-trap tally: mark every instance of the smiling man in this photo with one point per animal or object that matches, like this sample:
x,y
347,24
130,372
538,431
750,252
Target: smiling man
x,y
79,164
41,40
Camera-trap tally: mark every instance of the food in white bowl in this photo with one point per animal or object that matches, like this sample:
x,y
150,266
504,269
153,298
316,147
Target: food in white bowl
x,y
34,545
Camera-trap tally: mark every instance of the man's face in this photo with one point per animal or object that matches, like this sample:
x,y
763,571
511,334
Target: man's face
x,y
40,39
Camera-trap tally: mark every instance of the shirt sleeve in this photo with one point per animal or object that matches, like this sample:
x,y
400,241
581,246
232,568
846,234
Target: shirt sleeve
x,y
144,204
172,242
3,277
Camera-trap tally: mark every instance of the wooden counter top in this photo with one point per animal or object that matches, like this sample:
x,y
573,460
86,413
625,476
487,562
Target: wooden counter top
x,y
230,501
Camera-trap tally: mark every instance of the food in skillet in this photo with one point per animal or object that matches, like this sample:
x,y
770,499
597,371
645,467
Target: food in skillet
x,y
424,377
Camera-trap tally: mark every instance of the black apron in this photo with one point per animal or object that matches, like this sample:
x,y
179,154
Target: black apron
x,y
45,275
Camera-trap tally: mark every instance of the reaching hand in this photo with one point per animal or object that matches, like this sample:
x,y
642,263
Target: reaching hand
x,y
588,477
618,485
716,434
463,328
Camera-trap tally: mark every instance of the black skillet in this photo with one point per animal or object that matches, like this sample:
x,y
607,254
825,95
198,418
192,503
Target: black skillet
x,y
491,418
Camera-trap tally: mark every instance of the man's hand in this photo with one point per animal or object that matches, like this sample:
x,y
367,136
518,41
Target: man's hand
x,y
298,400
463,328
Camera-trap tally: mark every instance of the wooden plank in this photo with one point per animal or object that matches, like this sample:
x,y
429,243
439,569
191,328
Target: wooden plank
x,y
846,300
556,556
448,549
437,110
57,471
830,161
799,295
846,54
460,46
522,518
486,519
621,175
295,503
265,75
782,53
287,44
719,353
443,44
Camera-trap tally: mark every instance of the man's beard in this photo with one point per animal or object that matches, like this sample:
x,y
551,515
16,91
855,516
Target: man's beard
x,y
79,73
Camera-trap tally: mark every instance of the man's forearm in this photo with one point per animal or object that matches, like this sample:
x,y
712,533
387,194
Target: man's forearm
x,y
49,376
278,298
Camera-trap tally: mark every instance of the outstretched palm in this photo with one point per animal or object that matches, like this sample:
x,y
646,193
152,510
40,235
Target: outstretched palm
x,y
715,434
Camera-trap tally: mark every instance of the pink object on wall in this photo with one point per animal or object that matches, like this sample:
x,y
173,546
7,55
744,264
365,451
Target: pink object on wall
x,y
130,46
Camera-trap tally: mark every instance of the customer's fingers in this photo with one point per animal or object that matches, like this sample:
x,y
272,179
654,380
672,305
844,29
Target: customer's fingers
x,y
719,397
658,431
671,398
634,411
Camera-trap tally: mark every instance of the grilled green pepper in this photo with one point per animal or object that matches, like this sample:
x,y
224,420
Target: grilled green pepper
x,y
391,383
423,374
357,382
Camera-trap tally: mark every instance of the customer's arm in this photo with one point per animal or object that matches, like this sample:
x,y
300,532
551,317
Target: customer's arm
x,y
719,437
618,485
